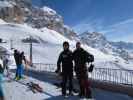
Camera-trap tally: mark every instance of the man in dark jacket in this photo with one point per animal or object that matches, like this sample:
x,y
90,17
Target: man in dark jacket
x,y
21,59
17,60
81,57
65,58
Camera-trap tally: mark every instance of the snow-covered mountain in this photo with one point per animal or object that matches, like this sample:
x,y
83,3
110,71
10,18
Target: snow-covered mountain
x,y
22,11
46,17
96,40
126,45
99,41
50,42
49,45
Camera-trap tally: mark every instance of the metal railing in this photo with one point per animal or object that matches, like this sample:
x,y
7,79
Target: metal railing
x,y
116,76
44,67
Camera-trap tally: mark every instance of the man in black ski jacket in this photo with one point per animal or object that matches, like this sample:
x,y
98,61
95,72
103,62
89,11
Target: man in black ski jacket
x,y
81,57
65,58
21,66
22,58
16,56
17,60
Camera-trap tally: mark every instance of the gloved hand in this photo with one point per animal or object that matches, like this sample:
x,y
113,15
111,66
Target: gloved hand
x,y
90,69
57,71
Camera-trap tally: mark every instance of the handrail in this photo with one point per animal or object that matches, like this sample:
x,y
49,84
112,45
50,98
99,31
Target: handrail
x,y
116,76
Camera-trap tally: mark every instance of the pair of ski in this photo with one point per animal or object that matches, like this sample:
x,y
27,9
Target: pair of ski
x,y
34,87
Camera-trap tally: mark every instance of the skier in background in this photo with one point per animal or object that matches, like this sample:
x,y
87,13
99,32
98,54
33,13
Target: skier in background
x,y
81,57
65,58
17,58
1,79
22,63
5,64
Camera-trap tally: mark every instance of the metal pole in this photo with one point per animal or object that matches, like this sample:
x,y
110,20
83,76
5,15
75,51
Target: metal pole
x,y
31,60
11,44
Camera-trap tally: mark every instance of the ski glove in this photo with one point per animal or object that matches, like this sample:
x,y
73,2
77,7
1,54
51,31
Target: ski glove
x,y
90,69
57,71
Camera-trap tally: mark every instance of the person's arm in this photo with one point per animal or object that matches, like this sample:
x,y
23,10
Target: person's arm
x,y
90,57
59,63
73,57
25,61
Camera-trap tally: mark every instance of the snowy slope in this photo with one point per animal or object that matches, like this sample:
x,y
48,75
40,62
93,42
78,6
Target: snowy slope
x,y
45,36
49,46
2,22
47,51
49,10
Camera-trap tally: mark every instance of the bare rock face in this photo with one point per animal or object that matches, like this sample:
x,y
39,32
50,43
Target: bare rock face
x,y
14,10
6,10
46,17
42,18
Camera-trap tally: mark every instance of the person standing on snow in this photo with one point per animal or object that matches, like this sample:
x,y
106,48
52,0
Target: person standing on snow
x,y
65,59
5,64
22,63
1,78
17,58
81,57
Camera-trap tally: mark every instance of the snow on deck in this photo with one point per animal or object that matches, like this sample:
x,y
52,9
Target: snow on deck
x,y
19,91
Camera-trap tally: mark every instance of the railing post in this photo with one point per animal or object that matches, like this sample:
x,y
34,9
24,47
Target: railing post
x,y
131,79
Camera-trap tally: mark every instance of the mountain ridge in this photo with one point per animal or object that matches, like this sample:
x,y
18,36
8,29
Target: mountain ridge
x,y
99,41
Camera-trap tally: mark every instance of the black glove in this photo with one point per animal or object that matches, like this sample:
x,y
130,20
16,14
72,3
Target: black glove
x,y
90,69
56,71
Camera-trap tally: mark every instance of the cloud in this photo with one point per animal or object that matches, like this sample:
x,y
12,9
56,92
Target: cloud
x,y
120,31
89,25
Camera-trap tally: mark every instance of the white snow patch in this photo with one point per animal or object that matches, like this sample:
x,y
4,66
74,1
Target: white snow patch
x,y
5,4
49,10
